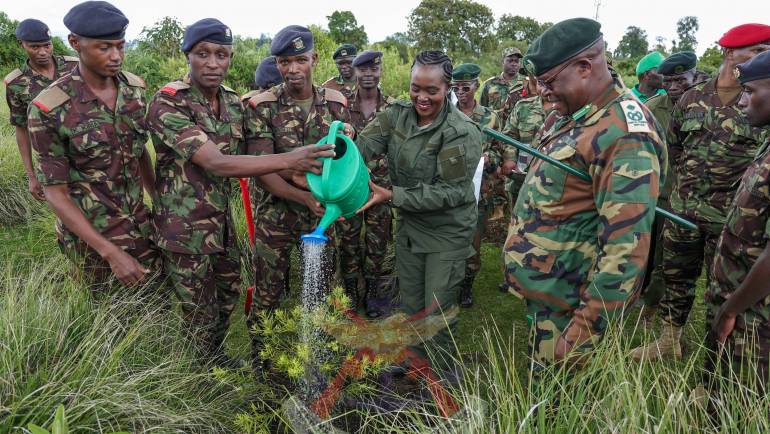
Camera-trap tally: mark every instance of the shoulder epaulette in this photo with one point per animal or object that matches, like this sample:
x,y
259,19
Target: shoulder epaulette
x,y
13,75
268,96
50,98
336,96
173,87
227,89
70,59
134,80
250,94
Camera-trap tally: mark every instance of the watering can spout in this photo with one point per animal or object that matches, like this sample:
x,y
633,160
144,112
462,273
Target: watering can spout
x,y
333,212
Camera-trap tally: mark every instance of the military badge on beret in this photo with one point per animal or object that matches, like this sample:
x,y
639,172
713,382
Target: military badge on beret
x,y
737,72
529,66
297,43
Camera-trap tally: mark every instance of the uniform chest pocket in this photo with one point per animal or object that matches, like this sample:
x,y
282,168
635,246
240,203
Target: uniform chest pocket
x,y
693,122
451,163
547,182
748,219
92,148
630,180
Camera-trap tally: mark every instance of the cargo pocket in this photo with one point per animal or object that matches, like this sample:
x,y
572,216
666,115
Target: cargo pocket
x,y
631,178
451,163
525,254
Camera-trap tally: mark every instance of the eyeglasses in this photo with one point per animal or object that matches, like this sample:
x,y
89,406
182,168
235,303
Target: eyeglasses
x,y
463,89
546,84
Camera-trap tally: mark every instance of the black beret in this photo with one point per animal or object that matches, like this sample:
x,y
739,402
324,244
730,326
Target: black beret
x,y
267,74
368,57
291,41
678,63
209,30
561,42
466,71
32,30
345,50
96,19
756,68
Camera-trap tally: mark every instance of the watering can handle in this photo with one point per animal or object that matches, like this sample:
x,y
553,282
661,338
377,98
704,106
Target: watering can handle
x,y
331,138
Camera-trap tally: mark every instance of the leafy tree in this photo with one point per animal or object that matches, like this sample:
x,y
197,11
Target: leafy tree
x,y
263,40
633,44
164,38
711,59
520,28
455,26
686,28
344,29
398,42
660,45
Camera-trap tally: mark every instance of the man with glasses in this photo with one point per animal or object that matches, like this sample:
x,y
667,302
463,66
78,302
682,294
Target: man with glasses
x,y
576,250
465,83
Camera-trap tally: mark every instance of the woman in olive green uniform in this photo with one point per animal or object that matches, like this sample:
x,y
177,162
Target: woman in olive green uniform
x,y
433,151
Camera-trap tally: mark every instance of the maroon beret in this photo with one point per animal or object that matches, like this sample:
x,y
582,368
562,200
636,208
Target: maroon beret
x,y
745,35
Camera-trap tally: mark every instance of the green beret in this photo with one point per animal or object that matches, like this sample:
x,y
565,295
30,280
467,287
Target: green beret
x,y
511,51
345,50
678,63
648,62
466,71
561,42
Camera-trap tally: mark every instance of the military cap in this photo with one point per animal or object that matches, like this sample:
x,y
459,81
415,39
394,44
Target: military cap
x,y
96,19
267,74
511,51
209,30
678,63
32,30
648,62
757,68
561,42
466,71
368,57
291,41
745,35
345,50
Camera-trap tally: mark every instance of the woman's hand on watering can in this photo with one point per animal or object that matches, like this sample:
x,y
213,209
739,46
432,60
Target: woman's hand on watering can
x,y
379,195
305,158
313,204
349,131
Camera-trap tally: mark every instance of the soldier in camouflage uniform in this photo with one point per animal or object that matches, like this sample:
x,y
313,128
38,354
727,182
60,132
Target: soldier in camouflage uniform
x,y
737,296
711,145
196,126
496,90
465,83
345,82
576,249
23,84
376,222
287,116
89,133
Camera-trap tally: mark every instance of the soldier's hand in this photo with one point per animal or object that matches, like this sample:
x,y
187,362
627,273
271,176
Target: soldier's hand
x,y
378,195
127,269
562,348
508,167
724,323
299,180
305,159
35,188
349,131
313,204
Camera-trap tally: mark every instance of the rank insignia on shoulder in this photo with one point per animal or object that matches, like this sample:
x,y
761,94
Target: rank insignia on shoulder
x,y
635,119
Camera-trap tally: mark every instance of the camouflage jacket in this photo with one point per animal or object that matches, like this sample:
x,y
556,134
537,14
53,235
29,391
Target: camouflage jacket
x,y
501,95
193,214
431,169
524,122
274,124
711,145
581,247
485,117
661,107
22,85
744,238
80,142
347,88
378,167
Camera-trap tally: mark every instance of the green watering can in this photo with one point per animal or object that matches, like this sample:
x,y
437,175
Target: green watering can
x,y
343,186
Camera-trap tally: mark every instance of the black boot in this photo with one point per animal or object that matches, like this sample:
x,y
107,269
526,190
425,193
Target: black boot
x,y
466,293
351,290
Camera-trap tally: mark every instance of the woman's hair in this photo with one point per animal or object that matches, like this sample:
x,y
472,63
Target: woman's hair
x,y
435,58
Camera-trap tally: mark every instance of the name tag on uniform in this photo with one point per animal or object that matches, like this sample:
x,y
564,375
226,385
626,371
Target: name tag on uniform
x,y
635,119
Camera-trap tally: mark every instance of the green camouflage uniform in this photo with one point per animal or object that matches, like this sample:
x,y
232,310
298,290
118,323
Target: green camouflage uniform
x,y
192,219
275,124
711,145
501,95
377,220
743,239
485,117
21,85
431,169
95,151
346,88
576,250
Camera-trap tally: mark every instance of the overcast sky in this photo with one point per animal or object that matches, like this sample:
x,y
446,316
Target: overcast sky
x,y
382,18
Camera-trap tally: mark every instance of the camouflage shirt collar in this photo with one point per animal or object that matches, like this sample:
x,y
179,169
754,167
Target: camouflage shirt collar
x,y
58,61
342,81
197,95
501,78
285,99
597,108
85,92
355,106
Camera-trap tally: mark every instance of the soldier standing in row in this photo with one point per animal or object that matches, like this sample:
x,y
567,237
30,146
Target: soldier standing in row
x,y
88,129
465,83
266,76
711,145
196,126
495,91
288,116
345,82
576,250
650,81
23,84
366,101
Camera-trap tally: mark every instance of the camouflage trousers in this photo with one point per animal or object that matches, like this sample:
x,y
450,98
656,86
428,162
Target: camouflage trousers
x,y
545,329
207,287
377,224
654,283
685,252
